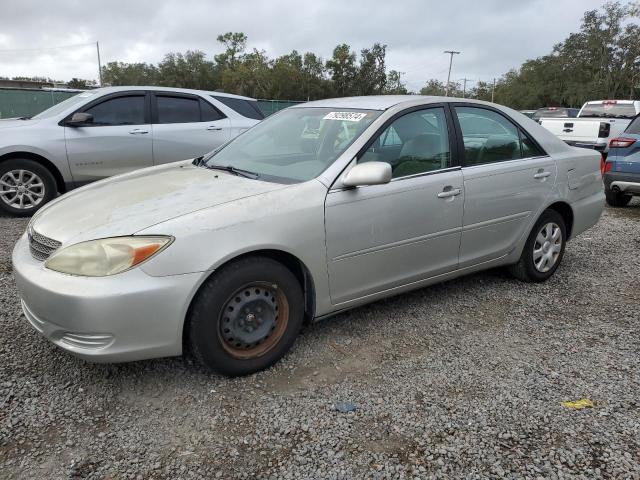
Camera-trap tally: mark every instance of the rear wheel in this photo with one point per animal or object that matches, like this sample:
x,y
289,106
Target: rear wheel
x,y
617,199
25,186
246,316
544,249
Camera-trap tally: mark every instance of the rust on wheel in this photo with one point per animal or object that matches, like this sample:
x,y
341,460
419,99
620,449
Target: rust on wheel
x,y
253,320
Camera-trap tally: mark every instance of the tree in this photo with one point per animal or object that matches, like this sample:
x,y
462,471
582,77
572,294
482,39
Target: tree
x,y
235,44
80,83
371,76
394,85
188,70
119,73
343,69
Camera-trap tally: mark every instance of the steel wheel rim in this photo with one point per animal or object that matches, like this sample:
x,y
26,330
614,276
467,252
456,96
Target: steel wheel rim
x,y
253,320
21,189
547,247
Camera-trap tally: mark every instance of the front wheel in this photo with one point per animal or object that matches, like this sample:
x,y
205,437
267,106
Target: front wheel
x,y
544,249
246,316
25,186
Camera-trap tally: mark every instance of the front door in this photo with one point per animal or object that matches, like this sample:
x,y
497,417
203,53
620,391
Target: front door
x,y
507,178
118,139
384,236
186,126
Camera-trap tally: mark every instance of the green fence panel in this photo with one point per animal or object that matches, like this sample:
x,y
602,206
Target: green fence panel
x,y
27,103
269,107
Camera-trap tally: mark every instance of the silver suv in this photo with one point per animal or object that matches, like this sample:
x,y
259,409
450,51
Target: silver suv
x,y
108,131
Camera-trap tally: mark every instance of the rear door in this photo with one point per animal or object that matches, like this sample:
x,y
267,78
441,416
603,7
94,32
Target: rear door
x,y
185,126
117,141
507,178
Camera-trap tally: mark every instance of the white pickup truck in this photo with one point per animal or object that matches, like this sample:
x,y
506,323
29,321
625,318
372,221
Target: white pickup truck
x,y
597,122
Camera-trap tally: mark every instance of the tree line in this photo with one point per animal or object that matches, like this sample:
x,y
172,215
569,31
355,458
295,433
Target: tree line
x,y
601,60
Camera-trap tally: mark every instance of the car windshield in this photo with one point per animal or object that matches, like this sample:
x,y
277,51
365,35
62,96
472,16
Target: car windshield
x,y
294,145
65,104
609,110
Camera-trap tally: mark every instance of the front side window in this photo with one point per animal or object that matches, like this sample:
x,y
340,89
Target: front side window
x,y
296,144
489,137
415,143
178,109
119,111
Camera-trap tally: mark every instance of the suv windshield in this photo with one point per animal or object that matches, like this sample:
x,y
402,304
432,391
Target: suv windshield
x,y
609,110
294,145
634,126
69,102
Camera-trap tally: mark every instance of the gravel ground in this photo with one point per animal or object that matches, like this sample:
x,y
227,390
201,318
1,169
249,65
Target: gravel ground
x,y
464,379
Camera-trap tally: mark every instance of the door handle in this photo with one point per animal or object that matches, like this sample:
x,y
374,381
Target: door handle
x,y
138,131
540,175
213,127
449,192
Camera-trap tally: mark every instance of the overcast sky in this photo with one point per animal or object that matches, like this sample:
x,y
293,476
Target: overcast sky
x,y
493,35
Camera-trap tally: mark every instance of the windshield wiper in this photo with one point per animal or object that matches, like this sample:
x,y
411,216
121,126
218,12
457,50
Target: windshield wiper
x,y
236,171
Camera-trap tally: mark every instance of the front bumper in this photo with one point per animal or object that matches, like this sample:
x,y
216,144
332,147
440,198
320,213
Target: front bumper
x,y
125,317
624,182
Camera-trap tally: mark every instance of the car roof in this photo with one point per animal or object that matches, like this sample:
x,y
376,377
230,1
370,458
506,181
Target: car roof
x,y
169,89
382,102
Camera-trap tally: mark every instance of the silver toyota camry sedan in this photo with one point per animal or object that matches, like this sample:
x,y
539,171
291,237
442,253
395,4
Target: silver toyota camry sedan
x,y
320,208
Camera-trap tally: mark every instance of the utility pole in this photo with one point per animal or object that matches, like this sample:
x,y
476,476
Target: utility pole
x,y
464,86
493,90
99,64
452,53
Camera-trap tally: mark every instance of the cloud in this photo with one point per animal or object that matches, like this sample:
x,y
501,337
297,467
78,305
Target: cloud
x,y
493,35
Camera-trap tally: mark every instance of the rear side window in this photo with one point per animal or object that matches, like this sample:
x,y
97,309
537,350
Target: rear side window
x,y
209,112
246,108
489,137
119,111
634,126
178,109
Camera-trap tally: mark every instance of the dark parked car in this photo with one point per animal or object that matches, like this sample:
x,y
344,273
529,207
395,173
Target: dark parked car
x,y
555,112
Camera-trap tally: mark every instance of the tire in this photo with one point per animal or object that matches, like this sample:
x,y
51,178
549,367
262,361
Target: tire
x,y
246,316
532,266
25,186
617,199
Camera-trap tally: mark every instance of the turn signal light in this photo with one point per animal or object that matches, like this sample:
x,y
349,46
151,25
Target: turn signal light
x,y
607,167
621,142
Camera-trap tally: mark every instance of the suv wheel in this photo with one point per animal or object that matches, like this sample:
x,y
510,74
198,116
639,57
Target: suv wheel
x,y
617,199
246,316
544,249
25,186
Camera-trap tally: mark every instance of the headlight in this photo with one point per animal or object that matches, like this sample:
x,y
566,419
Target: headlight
x,y
107,256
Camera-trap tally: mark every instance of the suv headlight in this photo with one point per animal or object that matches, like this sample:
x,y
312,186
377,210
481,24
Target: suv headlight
x,y
107,256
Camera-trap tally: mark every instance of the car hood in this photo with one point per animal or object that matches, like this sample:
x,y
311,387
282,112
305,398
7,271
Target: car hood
x,y
126,204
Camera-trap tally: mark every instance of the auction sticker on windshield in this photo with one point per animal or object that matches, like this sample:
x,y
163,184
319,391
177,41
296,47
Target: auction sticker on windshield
x,y
348,116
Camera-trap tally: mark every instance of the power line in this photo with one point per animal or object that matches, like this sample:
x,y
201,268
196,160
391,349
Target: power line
x,y
12,50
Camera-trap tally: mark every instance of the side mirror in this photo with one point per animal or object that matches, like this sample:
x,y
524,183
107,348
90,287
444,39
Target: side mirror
x,y
79,118
368,173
